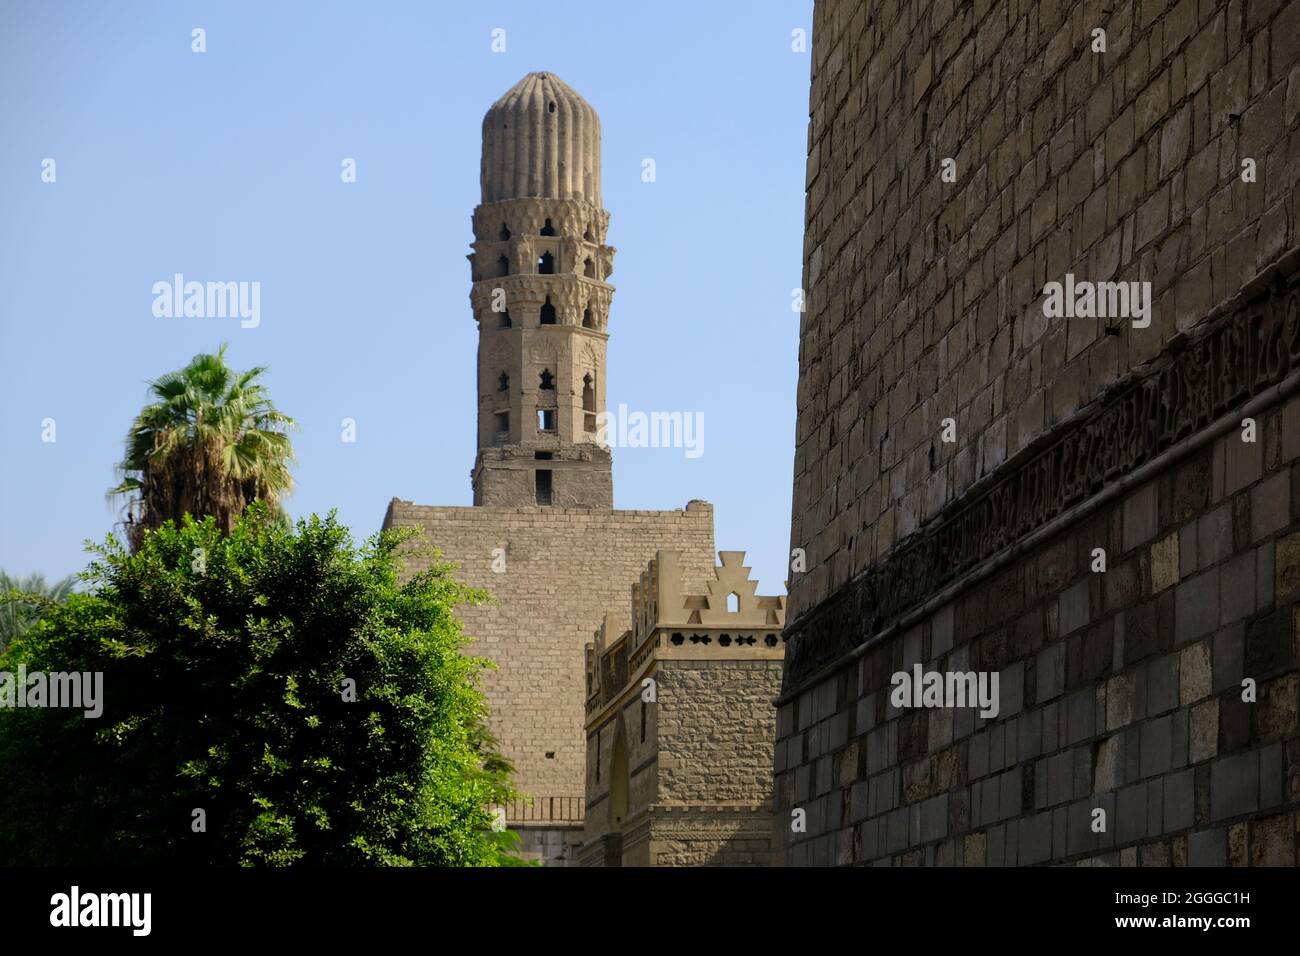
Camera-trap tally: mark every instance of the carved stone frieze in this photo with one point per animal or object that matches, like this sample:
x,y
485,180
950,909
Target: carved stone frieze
x,y
1198,379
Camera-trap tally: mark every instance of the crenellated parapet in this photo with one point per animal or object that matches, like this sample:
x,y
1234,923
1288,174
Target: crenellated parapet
x,y
729,621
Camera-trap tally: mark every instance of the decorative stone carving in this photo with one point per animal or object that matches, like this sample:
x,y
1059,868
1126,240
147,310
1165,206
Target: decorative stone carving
x,y
1197,380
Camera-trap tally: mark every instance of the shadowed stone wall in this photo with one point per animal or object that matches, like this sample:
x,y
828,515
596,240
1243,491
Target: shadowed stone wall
x,y
1120,690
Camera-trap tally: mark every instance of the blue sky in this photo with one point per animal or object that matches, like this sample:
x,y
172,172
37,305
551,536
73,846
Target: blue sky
x,y
225,166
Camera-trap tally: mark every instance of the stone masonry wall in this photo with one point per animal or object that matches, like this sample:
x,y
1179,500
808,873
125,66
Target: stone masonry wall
x,y
564,570
924,297
716,730
1120,690
700,781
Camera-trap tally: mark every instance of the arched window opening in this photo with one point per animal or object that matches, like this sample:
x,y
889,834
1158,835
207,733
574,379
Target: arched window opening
x,y
503,383
733,603
589,401
504,234
503,320
548,313
588,320
587,235
546,264
548,229
503,266
589,268
548,380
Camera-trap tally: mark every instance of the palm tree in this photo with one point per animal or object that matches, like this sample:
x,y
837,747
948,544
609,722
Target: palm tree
x,y
211,444
23,599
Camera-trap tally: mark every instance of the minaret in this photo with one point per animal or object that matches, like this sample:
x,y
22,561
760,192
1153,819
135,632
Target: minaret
x,y
541,301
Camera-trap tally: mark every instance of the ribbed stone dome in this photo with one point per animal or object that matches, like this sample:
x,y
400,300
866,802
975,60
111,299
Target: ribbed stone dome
x,y
541,139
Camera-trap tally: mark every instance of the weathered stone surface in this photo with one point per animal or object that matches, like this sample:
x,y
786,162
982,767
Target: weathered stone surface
x,y
925,302
1205,731
1164,563
1287,564
1194,673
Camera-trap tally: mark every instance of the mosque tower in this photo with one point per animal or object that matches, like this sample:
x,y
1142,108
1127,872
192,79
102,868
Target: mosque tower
x,y
541,300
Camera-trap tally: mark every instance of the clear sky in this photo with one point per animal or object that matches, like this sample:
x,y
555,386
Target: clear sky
x,y
225,166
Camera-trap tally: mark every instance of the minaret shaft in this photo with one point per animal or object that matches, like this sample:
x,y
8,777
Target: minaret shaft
x,y
541,299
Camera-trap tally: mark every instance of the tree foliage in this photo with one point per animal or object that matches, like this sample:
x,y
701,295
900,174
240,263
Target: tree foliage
x,y
211,443
24,600
224,662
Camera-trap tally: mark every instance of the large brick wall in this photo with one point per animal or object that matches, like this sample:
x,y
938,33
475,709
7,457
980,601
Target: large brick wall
x,y
564,570
1120,690
924,297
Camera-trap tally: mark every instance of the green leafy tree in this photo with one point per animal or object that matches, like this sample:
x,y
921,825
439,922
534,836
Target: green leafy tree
x,y
227,662
211,443
24,600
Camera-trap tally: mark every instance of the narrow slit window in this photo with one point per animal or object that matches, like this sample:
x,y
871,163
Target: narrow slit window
x,y
589,401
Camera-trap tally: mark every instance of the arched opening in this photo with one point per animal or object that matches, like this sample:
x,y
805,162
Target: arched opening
x,y
588,320
546,264
548,380
503,320
504,234
589,401
548,229
587,234
547,316
733,603
589,268
618,781
503,266
503,383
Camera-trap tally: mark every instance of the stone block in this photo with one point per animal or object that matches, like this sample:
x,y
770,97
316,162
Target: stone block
x,y
1207,848
1157,746
1270,506
1164,562
1196,607
1195,675
1234,786
1204,741
1179,801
